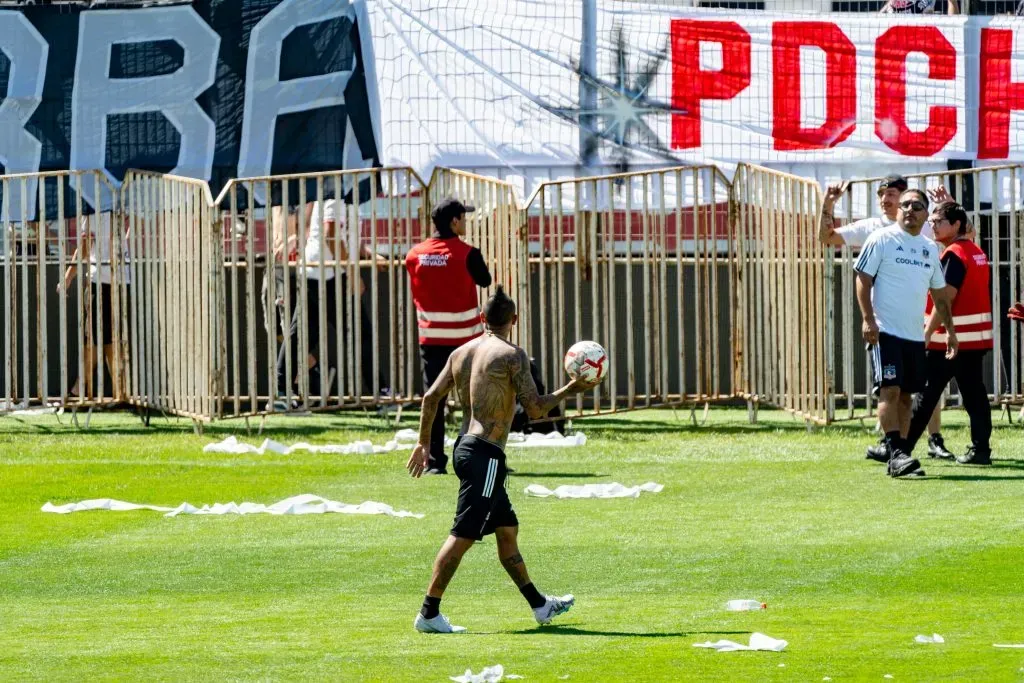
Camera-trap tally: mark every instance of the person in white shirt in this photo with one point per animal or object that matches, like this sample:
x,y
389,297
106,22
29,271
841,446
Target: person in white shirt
x,y
896,269
95,247
854,236
330,241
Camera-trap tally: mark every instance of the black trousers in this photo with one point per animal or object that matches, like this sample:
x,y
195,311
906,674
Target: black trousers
x,y
433,359
966,367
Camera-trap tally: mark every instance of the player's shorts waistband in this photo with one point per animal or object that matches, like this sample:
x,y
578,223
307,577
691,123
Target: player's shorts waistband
x,y
471,444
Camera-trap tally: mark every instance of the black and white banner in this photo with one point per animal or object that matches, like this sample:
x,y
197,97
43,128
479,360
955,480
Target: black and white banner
x,y
215,89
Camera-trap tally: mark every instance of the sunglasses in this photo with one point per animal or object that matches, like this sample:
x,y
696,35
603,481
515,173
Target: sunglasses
x,y
913,206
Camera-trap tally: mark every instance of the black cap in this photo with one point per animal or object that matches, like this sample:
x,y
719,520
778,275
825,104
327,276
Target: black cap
x,y
894,181
446,210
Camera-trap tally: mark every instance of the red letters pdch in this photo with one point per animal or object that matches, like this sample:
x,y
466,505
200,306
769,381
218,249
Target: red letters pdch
x,y
840,85
998,94
690,84
891,50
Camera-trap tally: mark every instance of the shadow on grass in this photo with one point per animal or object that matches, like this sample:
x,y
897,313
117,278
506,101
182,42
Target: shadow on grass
x,y
557,475
974,477
556,630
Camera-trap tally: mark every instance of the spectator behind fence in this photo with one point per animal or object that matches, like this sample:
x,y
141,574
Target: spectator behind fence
x,y
967,274
895,271
328,221
917,7
95,248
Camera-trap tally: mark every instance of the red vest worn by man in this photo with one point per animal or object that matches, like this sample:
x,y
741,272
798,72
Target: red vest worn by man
x,y
444,292
972,307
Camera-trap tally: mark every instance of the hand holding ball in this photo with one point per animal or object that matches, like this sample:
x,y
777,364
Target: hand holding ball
x,y
586,361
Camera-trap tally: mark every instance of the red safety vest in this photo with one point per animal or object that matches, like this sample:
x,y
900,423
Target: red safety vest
x,y
972,306
447,310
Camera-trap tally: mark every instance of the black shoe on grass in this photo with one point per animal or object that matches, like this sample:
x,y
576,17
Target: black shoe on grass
x,y
878,453
937,448
975,457
902,465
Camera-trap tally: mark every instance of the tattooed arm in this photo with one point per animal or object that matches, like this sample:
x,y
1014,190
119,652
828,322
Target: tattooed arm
x,y
431,403
535,405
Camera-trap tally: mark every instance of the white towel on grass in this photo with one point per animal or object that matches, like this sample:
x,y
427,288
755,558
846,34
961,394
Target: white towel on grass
x,y
613,490
305,504
404,439
758,641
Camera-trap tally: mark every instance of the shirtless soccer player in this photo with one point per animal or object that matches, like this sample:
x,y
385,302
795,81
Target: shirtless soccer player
x,y
489,374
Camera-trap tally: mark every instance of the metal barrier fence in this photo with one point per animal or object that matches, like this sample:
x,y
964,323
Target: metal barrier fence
x,y
62,282
783,294
171,312
701,289
641,263
299,330
992,198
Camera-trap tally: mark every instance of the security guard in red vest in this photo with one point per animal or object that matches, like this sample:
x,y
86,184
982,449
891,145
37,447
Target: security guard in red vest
x,y
445,272
967,273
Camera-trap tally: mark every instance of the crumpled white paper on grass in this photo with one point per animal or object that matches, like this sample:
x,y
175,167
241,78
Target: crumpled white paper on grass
x,y
613,490
403,439
933,638
490,674
305,504
758,641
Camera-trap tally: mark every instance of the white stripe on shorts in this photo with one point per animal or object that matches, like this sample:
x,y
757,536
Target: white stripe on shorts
x,y
492,474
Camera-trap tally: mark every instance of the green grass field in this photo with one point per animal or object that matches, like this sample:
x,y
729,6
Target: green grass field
x,y
852,565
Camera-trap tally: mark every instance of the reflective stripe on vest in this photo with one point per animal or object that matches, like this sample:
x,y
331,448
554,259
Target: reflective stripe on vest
x,y
441,317
451,332
941,337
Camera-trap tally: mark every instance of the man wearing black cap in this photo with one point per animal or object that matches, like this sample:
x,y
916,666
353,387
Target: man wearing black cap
x,y
444,272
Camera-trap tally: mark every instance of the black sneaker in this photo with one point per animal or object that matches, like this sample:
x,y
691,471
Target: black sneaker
x,y
975,457
879,452
902,465
436,470
937,448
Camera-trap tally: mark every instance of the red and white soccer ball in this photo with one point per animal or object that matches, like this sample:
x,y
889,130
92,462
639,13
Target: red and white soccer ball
x,y
586,359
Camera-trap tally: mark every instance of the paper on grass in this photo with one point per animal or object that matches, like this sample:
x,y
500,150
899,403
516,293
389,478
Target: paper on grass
x,y
305,504
490,674
758,641
613,490
1012,645
403,439
933,638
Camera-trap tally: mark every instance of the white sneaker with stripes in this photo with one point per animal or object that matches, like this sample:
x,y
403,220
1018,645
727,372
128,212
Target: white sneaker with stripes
x,y
438,624
553,607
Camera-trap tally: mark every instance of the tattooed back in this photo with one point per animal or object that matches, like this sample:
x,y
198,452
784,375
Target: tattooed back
x,y
490,373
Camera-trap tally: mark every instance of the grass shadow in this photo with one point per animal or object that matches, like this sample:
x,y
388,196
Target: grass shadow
x,y
557,475
566,630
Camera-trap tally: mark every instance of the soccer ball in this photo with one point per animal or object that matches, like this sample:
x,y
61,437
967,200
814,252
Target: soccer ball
x,y
586,359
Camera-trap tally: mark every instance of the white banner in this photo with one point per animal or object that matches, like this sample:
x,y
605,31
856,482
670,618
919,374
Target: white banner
x,y
500,84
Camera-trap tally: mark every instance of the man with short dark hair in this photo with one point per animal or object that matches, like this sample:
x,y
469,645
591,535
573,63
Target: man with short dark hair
x,y
896,269
444,273
489,374
854,235
966,270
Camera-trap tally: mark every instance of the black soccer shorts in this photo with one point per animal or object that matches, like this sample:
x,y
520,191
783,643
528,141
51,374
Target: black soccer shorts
x,y
483,501
899,363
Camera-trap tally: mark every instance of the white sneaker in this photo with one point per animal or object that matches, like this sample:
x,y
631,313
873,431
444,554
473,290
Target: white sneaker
x,y
553,607
438,624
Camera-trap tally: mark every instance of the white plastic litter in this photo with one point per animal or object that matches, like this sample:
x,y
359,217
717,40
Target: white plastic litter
x,y
1013,645
305,504
758,641
403,439
745,605
933,638
552,440
490,674
613,490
